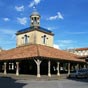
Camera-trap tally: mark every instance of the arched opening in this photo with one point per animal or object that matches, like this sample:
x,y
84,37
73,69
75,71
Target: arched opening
x,y
35,20
44,39
25,39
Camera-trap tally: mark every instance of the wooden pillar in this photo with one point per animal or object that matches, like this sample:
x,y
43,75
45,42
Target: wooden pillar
x,y
17,68
68,68
84,66
87,66
49,68
58,68
77,68
5,70
12,66
38,62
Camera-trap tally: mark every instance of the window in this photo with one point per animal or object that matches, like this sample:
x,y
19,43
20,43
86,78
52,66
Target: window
x,y
11,66
35,20
26,39
32,18
44,39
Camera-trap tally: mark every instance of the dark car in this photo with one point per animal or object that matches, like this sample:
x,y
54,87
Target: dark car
x,y
81,73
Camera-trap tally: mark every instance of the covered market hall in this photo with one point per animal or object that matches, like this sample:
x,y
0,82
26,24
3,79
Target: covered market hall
x,y
34,53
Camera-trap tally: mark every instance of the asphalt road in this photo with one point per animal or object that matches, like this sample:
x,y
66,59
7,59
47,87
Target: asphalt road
x,y
62,83
7,82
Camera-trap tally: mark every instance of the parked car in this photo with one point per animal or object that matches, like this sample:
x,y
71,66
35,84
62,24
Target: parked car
x,y
81,73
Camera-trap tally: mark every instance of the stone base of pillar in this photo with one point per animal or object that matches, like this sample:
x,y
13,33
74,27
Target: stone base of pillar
x,y
49,75
5,73
58,74
38,75
17,74
68,74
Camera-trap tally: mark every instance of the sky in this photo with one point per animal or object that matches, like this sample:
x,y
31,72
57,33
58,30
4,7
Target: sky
x,y
67,19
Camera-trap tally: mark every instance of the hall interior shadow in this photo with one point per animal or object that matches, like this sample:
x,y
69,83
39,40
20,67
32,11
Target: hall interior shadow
x,y
7,82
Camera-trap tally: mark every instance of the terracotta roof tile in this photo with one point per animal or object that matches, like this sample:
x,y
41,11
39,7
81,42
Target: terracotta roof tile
x,y
83,57
38,50
80,49
56,53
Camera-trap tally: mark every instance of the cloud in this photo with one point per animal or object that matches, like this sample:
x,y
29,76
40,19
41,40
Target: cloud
x,y
58,16
6,31
65,41
56,46
22,21
6,19
7,38
66,44
34,2
19,8
51,28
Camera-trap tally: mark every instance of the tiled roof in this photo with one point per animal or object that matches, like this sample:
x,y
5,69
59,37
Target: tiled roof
x,y
34,28
83,57
81,49
36,51
2,51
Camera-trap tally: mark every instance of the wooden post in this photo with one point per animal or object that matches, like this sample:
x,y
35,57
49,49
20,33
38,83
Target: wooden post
x,y
49,68
58,69
77,68
5,71
38,62
84,66
68,68
17,68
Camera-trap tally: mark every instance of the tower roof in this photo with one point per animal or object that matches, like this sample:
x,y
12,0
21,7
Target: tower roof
x,y
35,13
33,28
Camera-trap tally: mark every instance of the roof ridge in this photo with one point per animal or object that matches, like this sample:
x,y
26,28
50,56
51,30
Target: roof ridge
x,y
83,48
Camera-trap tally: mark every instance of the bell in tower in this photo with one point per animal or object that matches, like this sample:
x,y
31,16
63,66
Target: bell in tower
x,y
35,19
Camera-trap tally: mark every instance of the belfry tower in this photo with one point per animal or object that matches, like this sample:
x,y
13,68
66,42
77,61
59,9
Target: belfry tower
x,y
35,34
35,19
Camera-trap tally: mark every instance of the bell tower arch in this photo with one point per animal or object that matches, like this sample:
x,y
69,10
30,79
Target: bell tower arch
x,y
35,19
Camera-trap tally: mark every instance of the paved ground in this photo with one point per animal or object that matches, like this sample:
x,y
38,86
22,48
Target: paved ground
x,y
9,82
64,83
33,77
